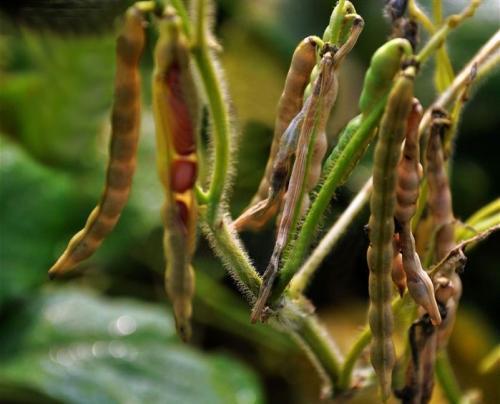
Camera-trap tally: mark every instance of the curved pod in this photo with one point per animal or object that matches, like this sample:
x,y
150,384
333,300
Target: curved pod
x,y
125,123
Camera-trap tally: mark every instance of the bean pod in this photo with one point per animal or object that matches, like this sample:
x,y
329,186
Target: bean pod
x,y
176,114
381,224
125,123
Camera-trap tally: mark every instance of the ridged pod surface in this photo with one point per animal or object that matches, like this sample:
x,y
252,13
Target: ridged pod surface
x,y
439,195
290,103
125,123
381,224
175,111
409,172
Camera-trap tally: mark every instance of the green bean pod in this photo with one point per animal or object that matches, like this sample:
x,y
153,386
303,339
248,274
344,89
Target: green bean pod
x,y
176,114
384,65
125,123
381,224
336,33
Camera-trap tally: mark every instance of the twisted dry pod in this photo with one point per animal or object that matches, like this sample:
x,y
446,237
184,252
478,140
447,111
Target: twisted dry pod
x,y
125,123
307,165
439,194
176,112
409,172
382,206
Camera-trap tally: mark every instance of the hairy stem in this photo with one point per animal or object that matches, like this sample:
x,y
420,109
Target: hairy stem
x,y
217,107
305,326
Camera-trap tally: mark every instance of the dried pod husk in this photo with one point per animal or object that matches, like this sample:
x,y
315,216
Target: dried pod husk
x,y
176,119
439,193
409,172
422,337
290,103
125,124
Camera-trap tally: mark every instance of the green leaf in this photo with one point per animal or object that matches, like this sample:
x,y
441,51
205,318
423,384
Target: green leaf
x,y
31,201
76,347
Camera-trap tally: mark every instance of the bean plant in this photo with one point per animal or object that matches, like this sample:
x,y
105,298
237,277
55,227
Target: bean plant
x,y
416,245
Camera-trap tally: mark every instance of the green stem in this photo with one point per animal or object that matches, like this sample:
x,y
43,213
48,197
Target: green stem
x,y
293,319
437,39
183,14
345,163
228,247
315,339
201,196
486,211
446,378
356,350
218,112
437,11
300,281
479,227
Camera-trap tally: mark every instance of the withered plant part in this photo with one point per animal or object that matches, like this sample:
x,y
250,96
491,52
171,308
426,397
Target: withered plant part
x,y
402,27
269,193
308,158
302,74
125,123
176,117
422,337
382,207
439,194
409,172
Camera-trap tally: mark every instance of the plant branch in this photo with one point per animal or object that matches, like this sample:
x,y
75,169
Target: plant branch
x,y
420,16
296,317
300,281
300,323
217,107
437,39
183,14
446,378
485,60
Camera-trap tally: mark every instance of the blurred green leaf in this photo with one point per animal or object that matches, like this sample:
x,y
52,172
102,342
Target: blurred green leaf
x,y
73,346
32,199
